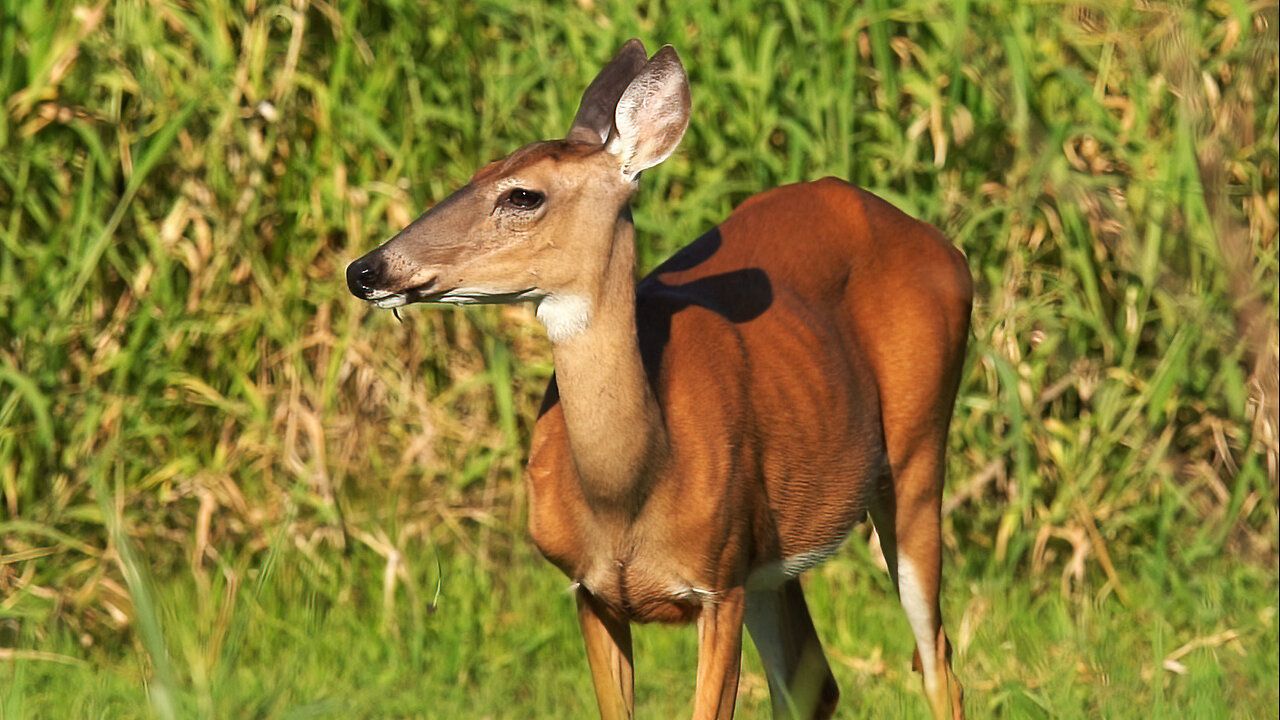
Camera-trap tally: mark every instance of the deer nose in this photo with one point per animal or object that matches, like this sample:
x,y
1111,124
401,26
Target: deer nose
x,y
363,274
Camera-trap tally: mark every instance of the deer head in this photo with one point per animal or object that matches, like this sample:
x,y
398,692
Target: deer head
x,y
540,224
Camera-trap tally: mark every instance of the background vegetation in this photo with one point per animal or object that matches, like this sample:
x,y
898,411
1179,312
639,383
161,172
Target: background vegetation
x,y
227,489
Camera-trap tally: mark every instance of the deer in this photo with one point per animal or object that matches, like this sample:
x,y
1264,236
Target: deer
x,y
719,427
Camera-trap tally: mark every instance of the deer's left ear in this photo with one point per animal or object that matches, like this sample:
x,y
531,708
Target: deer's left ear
x,y
594,120
651,115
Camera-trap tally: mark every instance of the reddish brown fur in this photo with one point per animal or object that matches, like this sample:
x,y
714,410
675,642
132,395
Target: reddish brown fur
x,y
554,150
852,304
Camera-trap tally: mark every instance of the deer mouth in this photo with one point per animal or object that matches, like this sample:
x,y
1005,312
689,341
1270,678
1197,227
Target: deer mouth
x,y
387,299
430,292
367,280
480,296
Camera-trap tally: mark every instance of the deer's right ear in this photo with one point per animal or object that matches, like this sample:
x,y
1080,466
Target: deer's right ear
x,y
594,120
652,114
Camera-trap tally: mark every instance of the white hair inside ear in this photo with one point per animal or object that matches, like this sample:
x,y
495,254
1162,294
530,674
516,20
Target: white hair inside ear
x,y
652,114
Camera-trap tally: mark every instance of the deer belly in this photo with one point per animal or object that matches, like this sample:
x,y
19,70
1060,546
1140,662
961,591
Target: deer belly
x,y
810,517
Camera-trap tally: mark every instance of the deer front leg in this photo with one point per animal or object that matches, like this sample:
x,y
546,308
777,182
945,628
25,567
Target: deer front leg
x,y
719,655
608,639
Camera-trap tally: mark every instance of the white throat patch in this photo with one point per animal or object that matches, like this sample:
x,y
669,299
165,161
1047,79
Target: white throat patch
x,y
564,316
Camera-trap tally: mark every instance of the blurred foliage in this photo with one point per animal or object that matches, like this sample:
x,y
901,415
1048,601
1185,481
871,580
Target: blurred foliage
x,y
181,185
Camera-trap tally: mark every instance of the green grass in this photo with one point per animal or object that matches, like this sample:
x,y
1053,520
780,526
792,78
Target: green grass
x,y
505,644
227,489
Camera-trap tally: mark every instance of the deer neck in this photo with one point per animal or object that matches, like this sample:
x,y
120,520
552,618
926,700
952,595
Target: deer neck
x,y
615,427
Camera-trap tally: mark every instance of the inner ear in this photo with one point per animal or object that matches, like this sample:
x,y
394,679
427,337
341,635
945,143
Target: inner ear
x,y
594,120
652,114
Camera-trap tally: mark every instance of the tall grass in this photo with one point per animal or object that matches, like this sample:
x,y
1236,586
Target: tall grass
x,y
215,464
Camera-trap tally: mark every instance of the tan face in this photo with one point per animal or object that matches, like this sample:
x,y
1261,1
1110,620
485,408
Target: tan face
x,y
540,224
520,230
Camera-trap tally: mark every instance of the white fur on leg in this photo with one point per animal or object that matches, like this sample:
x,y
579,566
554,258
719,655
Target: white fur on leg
x,y
923,624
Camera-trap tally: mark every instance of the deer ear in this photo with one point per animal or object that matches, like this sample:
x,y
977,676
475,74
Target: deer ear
x,y
652,114
594,120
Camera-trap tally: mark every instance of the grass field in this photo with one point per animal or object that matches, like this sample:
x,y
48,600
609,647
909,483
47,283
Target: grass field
x,y
230,490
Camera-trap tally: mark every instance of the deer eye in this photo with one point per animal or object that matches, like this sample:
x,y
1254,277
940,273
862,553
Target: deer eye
x,y
524,199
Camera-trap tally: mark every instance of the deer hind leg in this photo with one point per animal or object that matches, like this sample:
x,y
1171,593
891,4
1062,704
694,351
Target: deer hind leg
x,y
908,522
801,685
